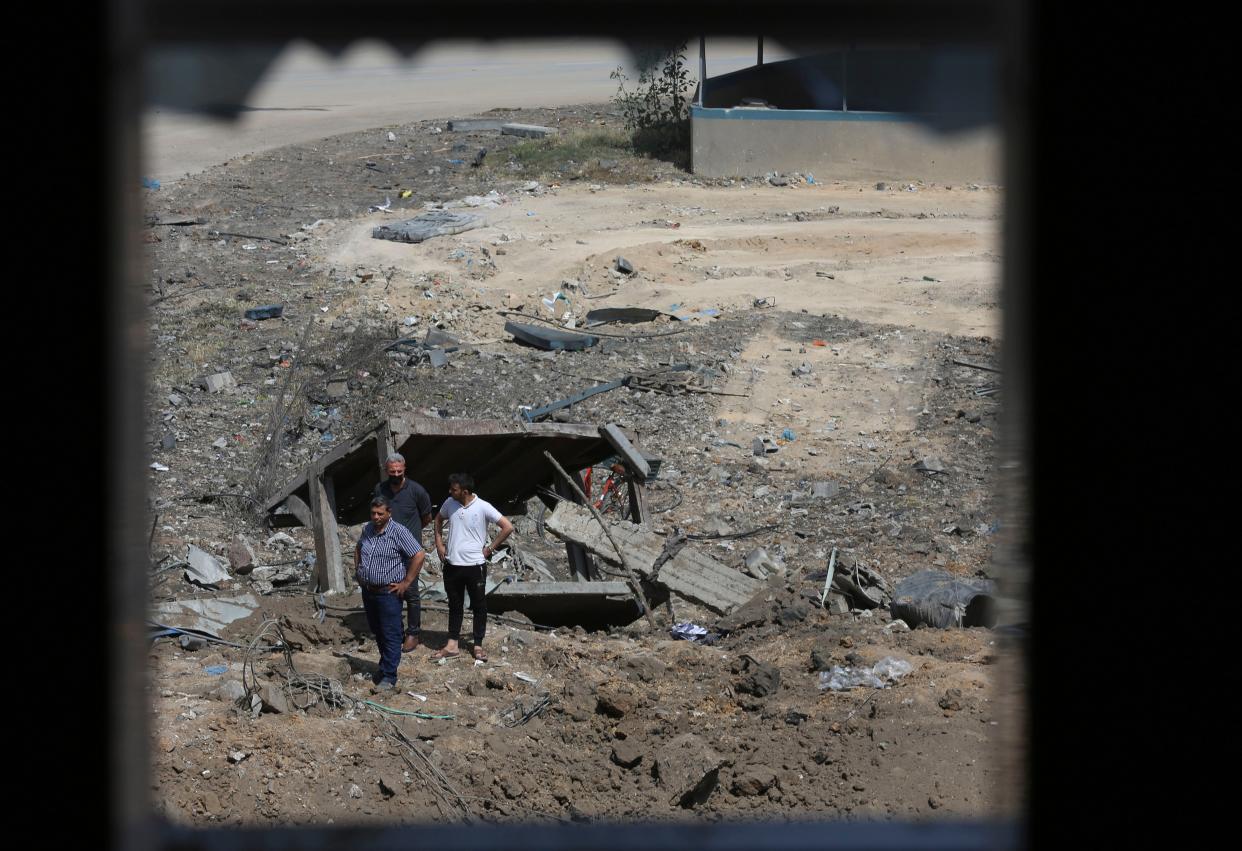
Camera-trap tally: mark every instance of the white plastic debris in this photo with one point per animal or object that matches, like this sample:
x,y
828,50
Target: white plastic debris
x,y
159,468
204,569
881,675
392,137
688,631
421,697
237,756
381,208
525,677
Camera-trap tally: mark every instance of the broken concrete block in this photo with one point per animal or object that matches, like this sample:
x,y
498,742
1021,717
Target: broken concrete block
x,y
468,125
427,226
930,464
688,770
825,490
757,678
241,555
204,569
777,180
176,400
761,565
690,573
437,357
230,691
219,381
207,615
754,780
764,446
168,442
530,131
274,698
390,784
627,753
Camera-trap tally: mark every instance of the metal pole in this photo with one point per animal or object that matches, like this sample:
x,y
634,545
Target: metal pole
x,y
760,62
845,104
702,67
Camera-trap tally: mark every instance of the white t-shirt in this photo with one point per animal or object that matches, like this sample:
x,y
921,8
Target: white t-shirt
x,y
467,529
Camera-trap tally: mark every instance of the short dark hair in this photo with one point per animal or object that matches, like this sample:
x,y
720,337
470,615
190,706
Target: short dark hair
x,y
379,500
465,480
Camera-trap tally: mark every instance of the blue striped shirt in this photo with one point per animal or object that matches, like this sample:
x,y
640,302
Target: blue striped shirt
x,y
385,554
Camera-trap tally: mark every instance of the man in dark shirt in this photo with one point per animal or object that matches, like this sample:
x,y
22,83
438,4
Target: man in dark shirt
x,y
411,507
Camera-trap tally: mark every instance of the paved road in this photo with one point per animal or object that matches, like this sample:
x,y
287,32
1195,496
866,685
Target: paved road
x,y
307,94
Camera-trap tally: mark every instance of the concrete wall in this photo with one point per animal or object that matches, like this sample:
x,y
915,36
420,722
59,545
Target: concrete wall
x,y
840,146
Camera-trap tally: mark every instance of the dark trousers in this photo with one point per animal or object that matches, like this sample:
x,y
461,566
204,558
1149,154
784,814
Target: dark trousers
x,y
459,580
383,610
413,609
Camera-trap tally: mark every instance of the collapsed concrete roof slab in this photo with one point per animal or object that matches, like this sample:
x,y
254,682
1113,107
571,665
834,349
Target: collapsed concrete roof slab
x,y
505,458
691,574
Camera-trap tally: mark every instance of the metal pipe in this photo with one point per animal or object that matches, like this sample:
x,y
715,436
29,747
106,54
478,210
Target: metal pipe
x,y
702,67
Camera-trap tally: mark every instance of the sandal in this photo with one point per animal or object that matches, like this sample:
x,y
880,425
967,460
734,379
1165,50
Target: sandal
x,y
479,653
445,654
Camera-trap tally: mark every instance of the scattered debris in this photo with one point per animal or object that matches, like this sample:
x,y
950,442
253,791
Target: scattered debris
x,y
427,226
624,266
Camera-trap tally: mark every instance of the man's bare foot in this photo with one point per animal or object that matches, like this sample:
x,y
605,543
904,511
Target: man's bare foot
x,y
479,653
410,644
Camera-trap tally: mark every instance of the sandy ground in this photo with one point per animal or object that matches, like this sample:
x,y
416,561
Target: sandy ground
x,y
307,94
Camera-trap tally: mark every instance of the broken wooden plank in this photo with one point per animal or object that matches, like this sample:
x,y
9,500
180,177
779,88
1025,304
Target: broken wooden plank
x,y
691,574
628,452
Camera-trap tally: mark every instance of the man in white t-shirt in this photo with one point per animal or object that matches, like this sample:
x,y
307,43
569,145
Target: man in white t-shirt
x,y
465,558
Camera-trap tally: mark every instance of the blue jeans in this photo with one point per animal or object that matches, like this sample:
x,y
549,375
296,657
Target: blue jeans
x,y
384,617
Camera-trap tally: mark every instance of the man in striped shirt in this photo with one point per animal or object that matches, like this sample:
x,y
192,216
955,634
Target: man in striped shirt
x,y
387,562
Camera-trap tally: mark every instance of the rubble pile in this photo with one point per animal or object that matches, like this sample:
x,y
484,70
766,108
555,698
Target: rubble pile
x,y
272,346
